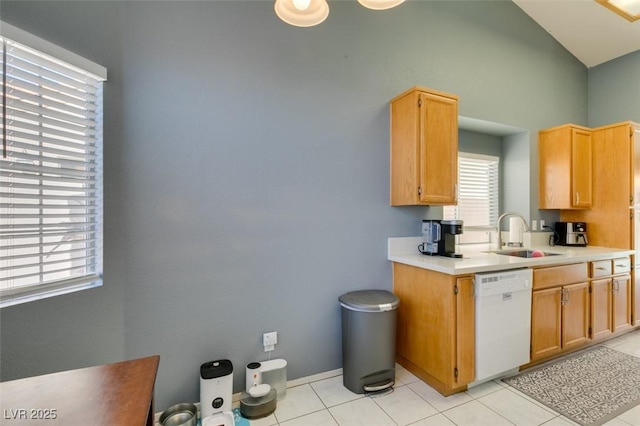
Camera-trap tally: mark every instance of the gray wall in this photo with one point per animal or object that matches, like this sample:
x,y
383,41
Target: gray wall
x,y
246,167
479,143
614,91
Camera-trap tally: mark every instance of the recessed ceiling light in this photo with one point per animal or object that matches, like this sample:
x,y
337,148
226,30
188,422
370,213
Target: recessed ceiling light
x,y
628,9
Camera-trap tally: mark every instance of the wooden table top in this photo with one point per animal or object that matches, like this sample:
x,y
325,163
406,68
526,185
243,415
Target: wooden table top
x,y
119,394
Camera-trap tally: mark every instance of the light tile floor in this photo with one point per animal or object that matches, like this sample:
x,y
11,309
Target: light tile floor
x,y
329,403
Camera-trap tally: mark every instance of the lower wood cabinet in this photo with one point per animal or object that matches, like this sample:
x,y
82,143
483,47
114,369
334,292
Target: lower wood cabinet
x,y
601,308
572,305
546,323
435,333
621,290
611,297
635,300
575,315
559,319
560,309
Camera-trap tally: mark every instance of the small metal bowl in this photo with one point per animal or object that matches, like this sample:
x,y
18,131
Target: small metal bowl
x,y
180,415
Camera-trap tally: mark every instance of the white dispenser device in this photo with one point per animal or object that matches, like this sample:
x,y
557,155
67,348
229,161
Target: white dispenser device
x,y
261,399
216,387
274,373
254,385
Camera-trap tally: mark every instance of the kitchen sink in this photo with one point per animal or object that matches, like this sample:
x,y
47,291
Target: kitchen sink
x,y
525,253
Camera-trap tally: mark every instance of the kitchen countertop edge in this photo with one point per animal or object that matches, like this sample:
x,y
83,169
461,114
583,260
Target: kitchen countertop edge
x,y
478,258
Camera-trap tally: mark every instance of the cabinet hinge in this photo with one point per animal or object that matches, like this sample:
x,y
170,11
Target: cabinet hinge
x,y
455,289
590,333
419,102
455,372
419,191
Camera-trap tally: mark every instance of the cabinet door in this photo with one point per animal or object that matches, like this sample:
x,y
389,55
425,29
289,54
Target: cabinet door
x,y
621,302
601,308
436,326
581,170
404,161
465,331
635,300
438,149
565,168
426,329
546,322
575,315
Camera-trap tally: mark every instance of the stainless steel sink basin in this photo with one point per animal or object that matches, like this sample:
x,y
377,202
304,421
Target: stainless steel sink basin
x,y
524,253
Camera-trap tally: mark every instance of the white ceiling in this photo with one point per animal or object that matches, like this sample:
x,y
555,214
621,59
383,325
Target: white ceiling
x,y
591,32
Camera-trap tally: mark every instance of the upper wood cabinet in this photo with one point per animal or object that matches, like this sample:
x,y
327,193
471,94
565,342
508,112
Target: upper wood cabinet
x,y
565,167
616,166
424,148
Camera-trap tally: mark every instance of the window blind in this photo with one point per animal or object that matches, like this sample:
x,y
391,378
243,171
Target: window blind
x,y
478,196
50,176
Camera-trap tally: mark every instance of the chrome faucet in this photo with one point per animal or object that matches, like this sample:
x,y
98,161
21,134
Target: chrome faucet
x,y
526,227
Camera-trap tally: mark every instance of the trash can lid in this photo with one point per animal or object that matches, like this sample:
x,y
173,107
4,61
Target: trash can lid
x,y
369,301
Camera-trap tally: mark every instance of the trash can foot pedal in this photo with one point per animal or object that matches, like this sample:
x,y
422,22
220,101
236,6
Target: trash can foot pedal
x,y
379,388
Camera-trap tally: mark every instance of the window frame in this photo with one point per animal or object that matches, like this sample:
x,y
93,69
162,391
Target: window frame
x,y
46,56
477,234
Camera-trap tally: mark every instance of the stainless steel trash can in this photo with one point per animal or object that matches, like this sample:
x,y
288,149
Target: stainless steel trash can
x,y
368,340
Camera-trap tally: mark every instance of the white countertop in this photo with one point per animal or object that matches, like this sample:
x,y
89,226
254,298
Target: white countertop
x,y
477,258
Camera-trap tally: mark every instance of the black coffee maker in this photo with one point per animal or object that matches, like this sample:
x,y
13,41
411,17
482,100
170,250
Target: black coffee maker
x,y
447,244
571,234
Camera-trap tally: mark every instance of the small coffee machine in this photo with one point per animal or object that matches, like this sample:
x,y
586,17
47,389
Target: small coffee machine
x,y
431,236
571,234
447,244
440,237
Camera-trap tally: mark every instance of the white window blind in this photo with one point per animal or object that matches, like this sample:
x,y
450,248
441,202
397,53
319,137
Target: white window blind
x,y
478,196
50,174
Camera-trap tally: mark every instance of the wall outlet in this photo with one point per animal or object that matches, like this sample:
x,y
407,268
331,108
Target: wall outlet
x,y
269,341
534,225
542,224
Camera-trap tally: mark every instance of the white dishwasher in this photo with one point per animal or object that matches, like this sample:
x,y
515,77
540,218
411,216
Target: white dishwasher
x,y
503,322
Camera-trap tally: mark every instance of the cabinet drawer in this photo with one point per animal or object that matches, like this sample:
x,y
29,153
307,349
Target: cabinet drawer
x,y
559,275
621,265
601,268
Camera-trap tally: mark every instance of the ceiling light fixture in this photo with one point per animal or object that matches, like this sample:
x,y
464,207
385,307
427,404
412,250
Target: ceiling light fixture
x,y
307,13
302,13
380,4
628,9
